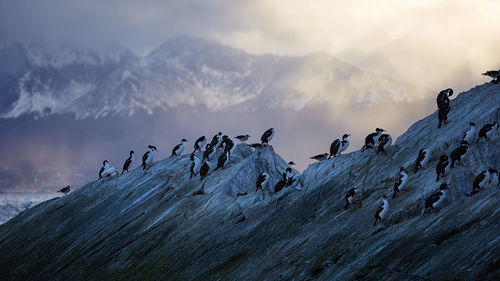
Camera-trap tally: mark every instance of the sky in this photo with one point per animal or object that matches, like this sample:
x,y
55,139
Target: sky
x,y
435,44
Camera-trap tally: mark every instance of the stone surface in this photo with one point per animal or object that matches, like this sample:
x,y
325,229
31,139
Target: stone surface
x,y
151,227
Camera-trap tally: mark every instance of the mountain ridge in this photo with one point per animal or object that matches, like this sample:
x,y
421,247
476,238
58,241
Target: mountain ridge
x,y
44,78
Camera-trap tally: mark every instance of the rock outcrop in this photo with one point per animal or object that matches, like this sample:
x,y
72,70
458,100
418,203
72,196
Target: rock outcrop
x,y
158,226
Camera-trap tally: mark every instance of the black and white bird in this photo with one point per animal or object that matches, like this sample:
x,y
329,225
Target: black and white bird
x,y
280,184
470,134
199,143
229,147
221,162
195,165
216,140
261,183
222,144
382,212
338,146
401,182
442,166
147,158
209,151
482,180
65,189
107,170
422,159
320,157
372,139
458,153
384,142
205,167
495,74
349,198
105,165
267,136
436,199
487,131
242,138
128,162
178,149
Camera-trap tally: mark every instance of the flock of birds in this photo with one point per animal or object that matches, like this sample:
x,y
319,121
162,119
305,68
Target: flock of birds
x,y
378,140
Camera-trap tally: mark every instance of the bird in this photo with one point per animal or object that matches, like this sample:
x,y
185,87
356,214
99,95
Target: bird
x,y
384,142
147,158
262,180
338,146
267,136
372,139
221,162
349,198
436,198
27,204
484,178
216,140
469,135
105,165
178,149
401,182
106,170
382,212
209,151
442,166
458,153
222,144
65,189
128,162
422,159
320,157
495,74
229,147
199,143
281,184
243,138
195,165
205,167
487,131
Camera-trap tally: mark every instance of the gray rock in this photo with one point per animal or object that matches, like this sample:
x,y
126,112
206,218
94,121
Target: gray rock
x,y
151,227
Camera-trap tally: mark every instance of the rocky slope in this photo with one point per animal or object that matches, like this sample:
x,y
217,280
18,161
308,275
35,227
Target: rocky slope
x,y
152,227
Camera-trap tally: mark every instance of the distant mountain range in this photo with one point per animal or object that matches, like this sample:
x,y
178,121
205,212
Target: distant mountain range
x,y
45,78
67,106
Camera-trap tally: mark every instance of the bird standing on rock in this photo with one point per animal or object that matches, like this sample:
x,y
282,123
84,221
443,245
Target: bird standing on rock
x,y
147,158
422,159
442,167
267,136
199,143
178,149
128,162
382,212
338,146
242,138
372,139
320,157
65,189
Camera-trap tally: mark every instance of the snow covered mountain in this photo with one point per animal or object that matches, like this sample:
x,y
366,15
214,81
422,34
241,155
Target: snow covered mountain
x,y
44,78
